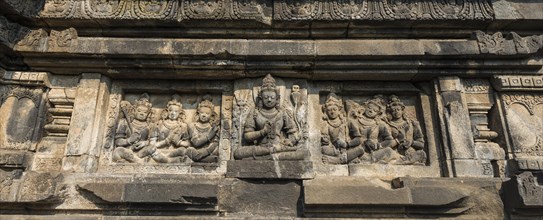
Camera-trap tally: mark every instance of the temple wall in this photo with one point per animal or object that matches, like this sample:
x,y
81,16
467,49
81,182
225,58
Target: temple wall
x,y
271,109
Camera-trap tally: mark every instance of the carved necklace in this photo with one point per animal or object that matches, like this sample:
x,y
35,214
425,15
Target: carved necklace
x,y
170,124
202,127
139,124
335,122
367,122
269,115
399,124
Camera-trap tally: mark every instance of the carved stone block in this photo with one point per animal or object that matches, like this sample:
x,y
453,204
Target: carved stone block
x,y
371,131
167,131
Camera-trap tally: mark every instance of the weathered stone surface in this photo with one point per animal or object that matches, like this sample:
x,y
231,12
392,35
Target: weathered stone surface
x,y
261,198
363,197
270,169
154,191
523,196
39,187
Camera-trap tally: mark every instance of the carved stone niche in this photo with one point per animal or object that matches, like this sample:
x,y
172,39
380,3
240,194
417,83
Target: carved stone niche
x,y
270,132
169,128
373,129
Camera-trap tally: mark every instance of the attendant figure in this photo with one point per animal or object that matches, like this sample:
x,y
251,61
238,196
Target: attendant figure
x,y
407,134
370,132
335,147
132,134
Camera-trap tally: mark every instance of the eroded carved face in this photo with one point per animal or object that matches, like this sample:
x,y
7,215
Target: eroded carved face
x,y
396,111
269,98
141,113
204,114
371,111
173,112
332,112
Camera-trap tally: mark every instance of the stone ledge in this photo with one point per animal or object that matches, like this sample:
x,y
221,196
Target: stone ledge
x,y
403,197
267,169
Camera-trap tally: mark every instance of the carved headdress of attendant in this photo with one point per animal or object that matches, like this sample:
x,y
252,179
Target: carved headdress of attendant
x,y
393,102
331,101
207,103
143,104
175,103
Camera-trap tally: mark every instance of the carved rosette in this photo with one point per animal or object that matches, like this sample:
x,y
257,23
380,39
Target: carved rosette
x,y
202,9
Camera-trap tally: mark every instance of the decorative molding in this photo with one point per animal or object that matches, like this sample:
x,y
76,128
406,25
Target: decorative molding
x,y
382,10
62,40
59,111
518,83
285,10
476,85
512,44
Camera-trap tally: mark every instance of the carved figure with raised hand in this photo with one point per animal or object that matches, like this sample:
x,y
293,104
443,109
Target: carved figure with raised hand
x,y
269,132
132,135
407,134
369,131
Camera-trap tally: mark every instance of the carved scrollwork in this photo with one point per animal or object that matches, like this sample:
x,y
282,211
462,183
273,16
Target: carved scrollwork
x,y
106,8
203,9
297,10
249,9
59,8
62,39
527,100
155,9
383,10
24,92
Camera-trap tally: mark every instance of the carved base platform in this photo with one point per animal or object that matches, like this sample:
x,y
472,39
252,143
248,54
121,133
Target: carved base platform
x,y
263,169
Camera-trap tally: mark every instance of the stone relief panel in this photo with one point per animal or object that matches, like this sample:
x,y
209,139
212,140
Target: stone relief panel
x,y
373,131
270,122
152,134
20,110
524,116
165,131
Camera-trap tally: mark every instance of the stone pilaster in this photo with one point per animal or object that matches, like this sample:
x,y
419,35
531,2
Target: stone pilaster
x,y
90,104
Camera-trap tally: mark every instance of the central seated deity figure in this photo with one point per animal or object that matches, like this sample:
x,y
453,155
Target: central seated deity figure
x,y
269,131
